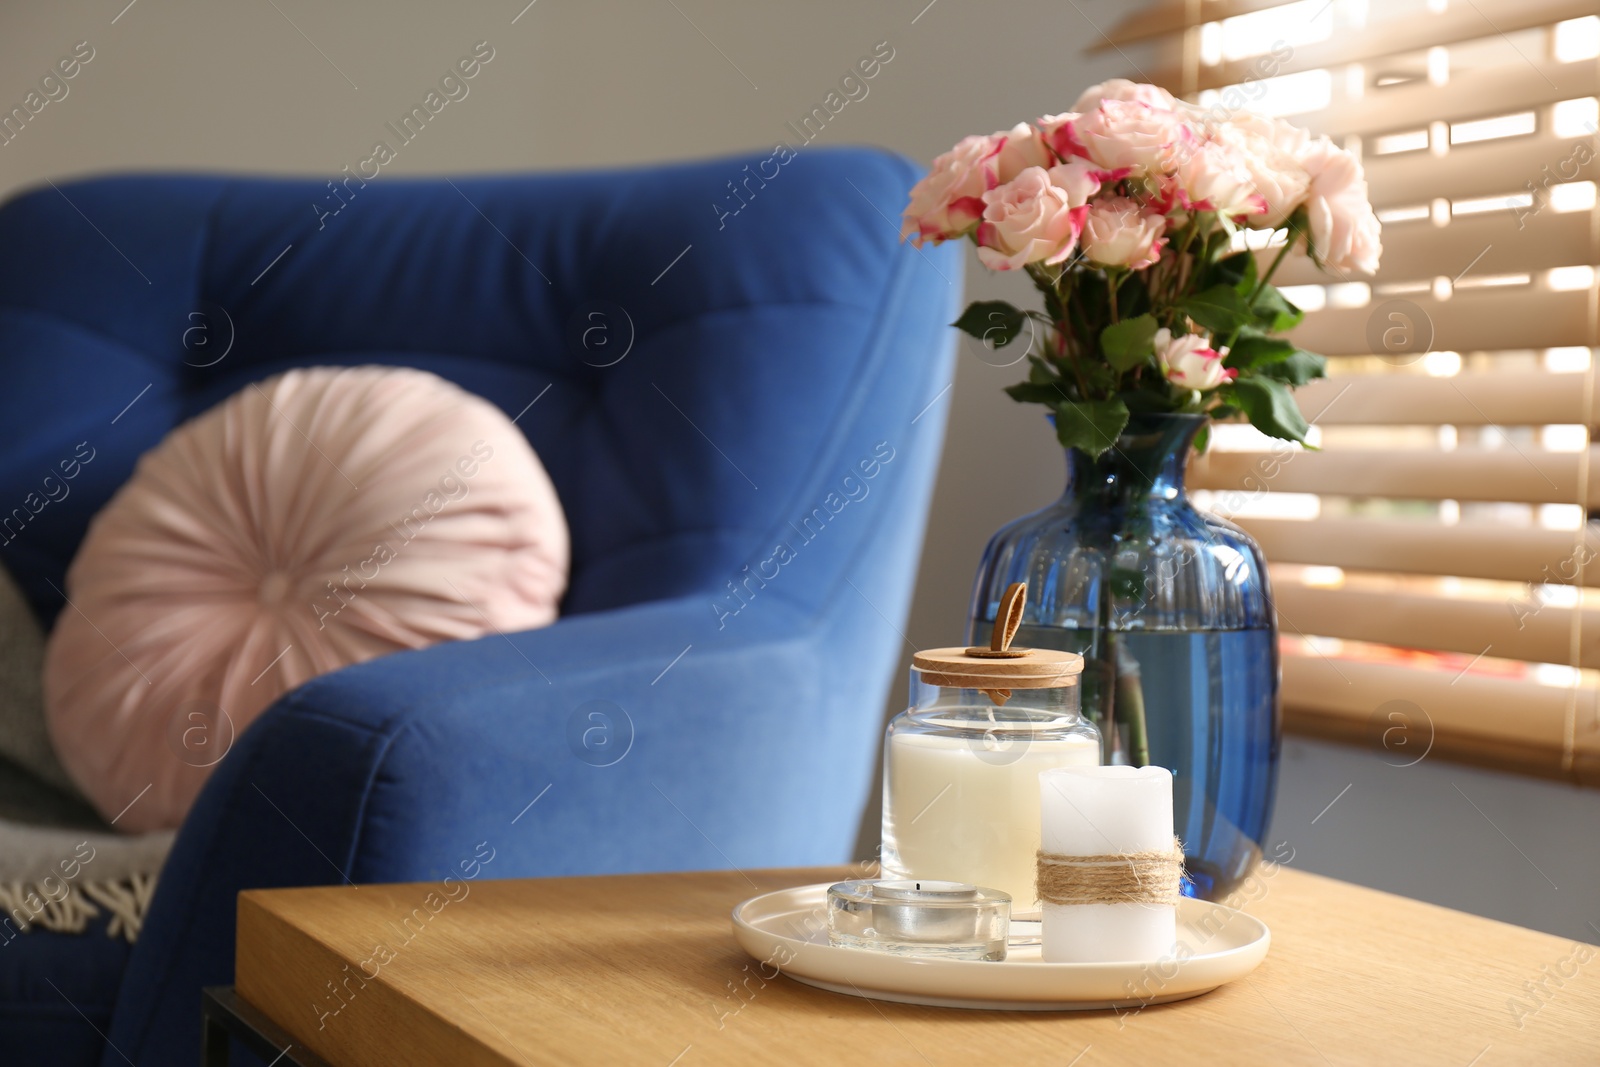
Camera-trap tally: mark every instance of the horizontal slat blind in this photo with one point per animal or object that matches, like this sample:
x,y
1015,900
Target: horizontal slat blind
x,y
1493,168
1437,550
1476,550
1512,628
1476,474
1395,35
1494,398
1413,251
1170,17
1502,722
1509,88
1472,320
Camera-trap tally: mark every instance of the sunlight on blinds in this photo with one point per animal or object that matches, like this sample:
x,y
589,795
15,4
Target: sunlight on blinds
x,y
1438,549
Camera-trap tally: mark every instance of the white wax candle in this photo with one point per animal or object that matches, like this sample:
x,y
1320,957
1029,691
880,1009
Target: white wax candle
x,y
1092,811
958,812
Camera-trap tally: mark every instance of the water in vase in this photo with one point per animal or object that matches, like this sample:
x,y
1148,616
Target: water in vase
x,y
1210,718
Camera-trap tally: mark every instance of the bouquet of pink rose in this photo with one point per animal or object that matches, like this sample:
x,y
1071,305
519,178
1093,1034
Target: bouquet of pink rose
x,y
1124,212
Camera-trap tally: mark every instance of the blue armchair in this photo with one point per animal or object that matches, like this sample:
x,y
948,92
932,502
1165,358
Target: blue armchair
x,y
735,409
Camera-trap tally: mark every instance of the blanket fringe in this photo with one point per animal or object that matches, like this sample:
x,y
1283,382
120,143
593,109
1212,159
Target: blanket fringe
x,y
26,905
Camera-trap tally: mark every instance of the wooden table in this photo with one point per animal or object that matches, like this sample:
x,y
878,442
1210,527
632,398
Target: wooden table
x,y
644,970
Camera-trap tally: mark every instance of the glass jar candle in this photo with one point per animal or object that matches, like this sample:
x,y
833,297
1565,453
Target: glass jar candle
x,y
961,764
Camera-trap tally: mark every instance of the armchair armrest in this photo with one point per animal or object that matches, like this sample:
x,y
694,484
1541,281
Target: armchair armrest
x,y
492,759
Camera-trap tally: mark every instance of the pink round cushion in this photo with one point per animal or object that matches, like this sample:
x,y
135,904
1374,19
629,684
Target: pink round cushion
x,y
314,520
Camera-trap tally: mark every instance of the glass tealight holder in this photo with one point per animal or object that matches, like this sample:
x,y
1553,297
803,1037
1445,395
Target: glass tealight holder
x,y
949,920
961,765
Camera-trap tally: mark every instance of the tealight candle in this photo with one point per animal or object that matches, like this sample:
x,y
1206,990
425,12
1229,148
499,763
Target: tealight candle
x,y
921,924
910,917
907,889
1109,812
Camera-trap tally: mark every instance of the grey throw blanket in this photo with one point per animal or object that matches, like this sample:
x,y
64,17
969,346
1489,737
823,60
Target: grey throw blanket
x,y
61,867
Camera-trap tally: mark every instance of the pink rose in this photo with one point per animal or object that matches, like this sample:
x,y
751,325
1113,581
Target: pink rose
x,y
1057,133
1189,361
1127,134
1123,89
1169,199
1213,177
1285,136
949,200
1344,230
1021,147
1269,150
1120,232
1080,178
1032,219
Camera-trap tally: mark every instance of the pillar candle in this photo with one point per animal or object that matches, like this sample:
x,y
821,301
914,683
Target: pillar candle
x,y
1093,811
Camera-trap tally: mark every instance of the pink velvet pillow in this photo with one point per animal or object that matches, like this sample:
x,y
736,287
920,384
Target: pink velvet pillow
x,y
311,521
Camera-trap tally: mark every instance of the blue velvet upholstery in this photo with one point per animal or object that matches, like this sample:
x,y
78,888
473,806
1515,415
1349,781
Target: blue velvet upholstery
x,y
774,394
57,994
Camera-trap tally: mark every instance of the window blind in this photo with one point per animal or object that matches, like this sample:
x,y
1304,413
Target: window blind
x,y
1434,565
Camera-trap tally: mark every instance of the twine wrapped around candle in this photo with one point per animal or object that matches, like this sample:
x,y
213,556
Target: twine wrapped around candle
x,y
1115,878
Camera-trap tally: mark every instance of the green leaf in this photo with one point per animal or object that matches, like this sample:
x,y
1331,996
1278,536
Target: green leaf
x,y
1298,369
1258,351
1036,393
1237,271
1133,295
1274,312
1249,274
1092,426
1039,372
1211,248
994,322
1128,343
1093,292
1202,439
1219,309
1101,379
1147,401
1271,408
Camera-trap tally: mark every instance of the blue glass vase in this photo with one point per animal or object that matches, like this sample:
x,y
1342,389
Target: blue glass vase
x,y
1172,612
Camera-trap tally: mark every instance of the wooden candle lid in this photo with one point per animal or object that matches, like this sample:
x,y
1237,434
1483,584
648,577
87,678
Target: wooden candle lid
x,y
1036,668
999,669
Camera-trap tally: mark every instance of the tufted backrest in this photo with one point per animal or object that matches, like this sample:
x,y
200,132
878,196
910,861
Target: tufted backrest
x,y
698,353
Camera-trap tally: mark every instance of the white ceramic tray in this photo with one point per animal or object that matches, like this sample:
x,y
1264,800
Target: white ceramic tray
x,y
788,930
